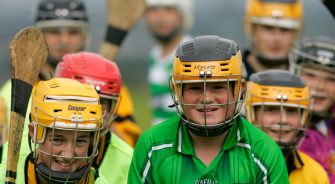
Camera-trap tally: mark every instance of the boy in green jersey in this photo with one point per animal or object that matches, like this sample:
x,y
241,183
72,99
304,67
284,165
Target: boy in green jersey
x,y
208,142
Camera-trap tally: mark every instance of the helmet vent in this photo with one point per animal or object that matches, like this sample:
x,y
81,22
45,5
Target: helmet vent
x,y
54,85
264,91
225,67
187,65
57,110
78,77
187,70
222,47
93,112
188,48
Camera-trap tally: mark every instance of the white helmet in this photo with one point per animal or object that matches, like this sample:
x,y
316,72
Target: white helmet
x,y
184,6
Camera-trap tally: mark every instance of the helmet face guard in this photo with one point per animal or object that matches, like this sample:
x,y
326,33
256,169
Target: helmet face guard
x,y
208,73
314,59
280,106
67,121
231,106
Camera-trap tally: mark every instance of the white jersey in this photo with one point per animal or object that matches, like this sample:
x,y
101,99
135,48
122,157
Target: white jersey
x,y
160,70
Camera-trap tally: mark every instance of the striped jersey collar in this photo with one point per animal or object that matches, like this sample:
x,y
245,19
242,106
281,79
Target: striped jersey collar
x,y
184,142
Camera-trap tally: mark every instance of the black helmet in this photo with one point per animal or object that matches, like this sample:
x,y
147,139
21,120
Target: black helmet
x,y
61,13
317,51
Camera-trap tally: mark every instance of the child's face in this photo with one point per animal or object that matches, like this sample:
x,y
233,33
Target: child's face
x,y
62,148
280,124
273,42
208,105
322,86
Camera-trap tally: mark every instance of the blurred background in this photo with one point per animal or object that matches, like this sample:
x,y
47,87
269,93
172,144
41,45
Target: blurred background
x,y
217,17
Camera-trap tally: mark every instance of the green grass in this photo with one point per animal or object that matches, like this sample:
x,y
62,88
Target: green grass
x,y
141,101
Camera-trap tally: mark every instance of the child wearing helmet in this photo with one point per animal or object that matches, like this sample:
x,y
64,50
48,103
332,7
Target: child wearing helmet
x,y
114,156
271,27
208,141
314,60
168,21
278,102
65,27
66,121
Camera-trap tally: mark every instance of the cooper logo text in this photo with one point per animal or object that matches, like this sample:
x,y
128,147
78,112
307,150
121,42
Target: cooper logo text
x,y
76,108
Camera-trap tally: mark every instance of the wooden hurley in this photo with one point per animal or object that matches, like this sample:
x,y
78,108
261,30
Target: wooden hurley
x,y
28,53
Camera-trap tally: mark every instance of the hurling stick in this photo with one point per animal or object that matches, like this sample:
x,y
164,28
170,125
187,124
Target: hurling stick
x,y
28,53
122,15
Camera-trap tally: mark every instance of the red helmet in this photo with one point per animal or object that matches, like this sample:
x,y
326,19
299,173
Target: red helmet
x,y
93,69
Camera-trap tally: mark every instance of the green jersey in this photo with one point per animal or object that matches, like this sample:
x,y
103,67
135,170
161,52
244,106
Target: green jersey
x,y
160,69
164,154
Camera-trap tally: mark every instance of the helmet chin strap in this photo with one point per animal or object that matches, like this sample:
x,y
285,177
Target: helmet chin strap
x,y
61,177
272,63
164,39
205,131
287,147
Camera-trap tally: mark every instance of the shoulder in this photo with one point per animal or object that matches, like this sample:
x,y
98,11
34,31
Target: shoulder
x,y
6,86
118,144
164,131
265,152
312,165
101,180
311,171
20,173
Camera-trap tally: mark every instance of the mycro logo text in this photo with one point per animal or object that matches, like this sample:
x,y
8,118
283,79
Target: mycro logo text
x,y
204,67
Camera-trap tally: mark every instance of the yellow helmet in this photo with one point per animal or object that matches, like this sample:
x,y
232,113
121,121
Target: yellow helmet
x,y
280,13
65,104
207,59
62,104
278,88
